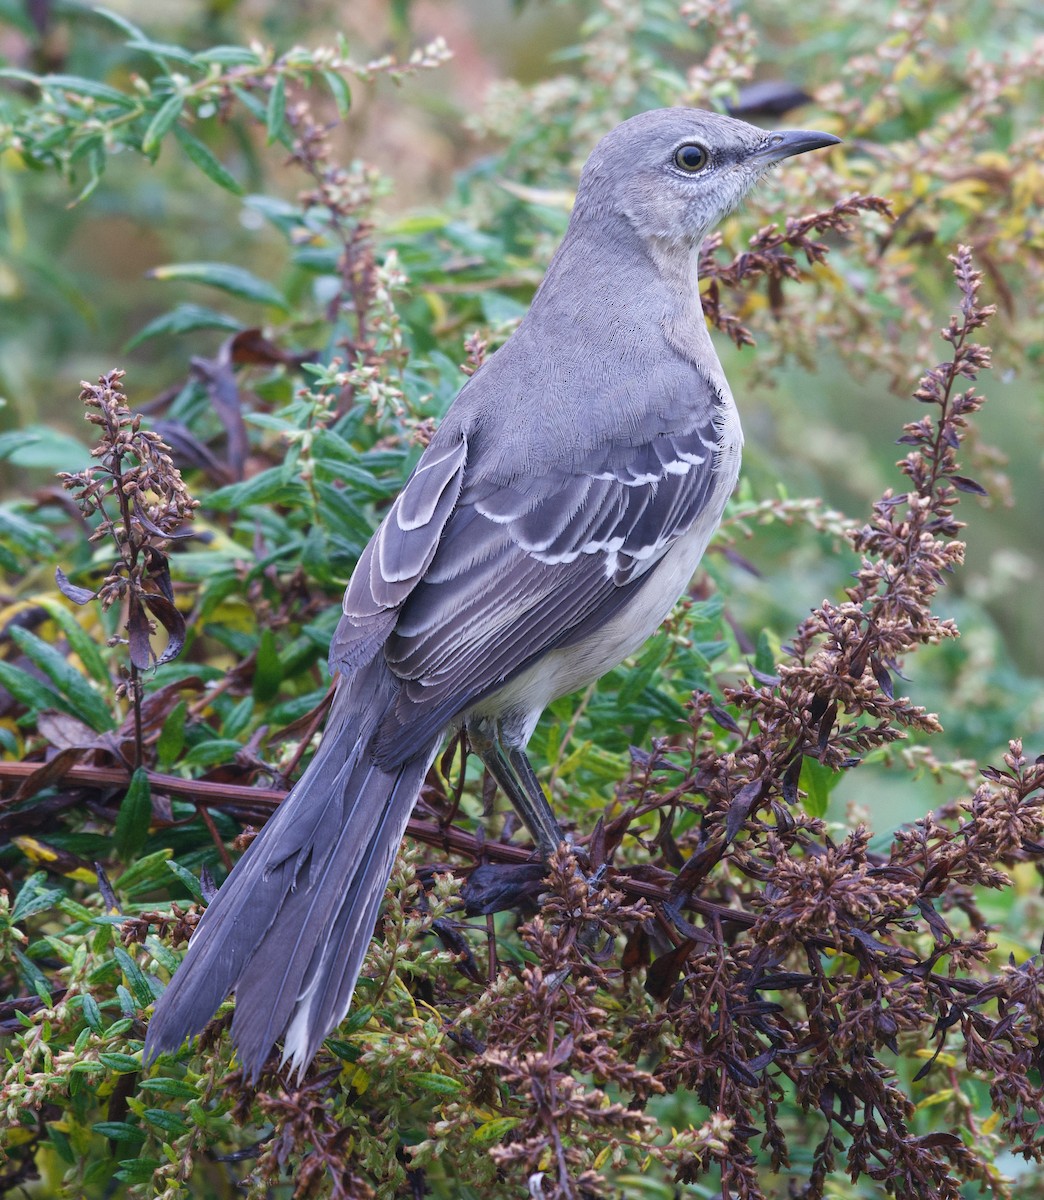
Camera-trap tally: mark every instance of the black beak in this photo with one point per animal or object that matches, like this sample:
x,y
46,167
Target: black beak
x,y
788,142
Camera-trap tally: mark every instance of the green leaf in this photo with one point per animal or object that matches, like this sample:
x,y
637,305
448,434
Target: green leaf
x,y
139,40
167,1121
30,692
119,1131
91,1012
237,720
60,1141
137,1170
41,446
274,486
124,1063
138,983
212,752
340,91
491,1133
75,84
432,1081
237,281
151,869
34,977
87,702
33,897
275,114
229,56
817,782
185,318
166,958
188,879
81,642
765,654
203,157
169,1087
163,121
135,815
268,670
641,675
171,740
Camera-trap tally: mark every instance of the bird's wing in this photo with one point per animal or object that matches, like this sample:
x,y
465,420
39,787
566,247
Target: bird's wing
x,y
398,554
529,566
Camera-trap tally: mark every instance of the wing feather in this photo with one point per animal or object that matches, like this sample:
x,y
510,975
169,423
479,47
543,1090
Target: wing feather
x,y
399,553
527,567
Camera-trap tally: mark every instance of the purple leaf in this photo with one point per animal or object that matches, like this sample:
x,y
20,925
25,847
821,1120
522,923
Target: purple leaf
x,y
70,591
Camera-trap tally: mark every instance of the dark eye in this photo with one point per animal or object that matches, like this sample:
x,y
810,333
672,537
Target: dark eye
x,y
690,158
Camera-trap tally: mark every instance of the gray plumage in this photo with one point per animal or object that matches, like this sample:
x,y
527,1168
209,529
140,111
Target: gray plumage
x,y
558,513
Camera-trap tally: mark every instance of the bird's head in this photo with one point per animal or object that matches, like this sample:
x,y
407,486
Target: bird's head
x,y
674,173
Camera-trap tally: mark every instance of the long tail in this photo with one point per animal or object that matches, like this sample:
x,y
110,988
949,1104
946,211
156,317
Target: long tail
x,y
288,929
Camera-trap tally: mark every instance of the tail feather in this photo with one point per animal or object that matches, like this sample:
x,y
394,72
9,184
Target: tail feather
x,y
289,928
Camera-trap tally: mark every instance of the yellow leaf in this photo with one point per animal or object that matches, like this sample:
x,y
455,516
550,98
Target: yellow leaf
x,y
991,1123
968,193
908,65
944,1060
941,1097
360,1081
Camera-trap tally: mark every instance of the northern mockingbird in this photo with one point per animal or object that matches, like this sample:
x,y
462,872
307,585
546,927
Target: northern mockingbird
x,y
547,530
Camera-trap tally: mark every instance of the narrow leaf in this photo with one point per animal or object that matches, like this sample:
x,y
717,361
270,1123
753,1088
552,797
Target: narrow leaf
x,y
237,281
172,736
203,157
963,484
340,91
185,318
161,124
132,823
87,702
275,114
188,879
137,981
30,692
81,642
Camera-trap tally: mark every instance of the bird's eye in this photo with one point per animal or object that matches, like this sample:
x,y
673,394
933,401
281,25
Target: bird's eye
x,y
690,158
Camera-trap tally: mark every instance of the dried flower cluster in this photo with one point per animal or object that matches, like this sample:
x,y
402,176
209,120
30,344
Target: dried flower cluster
x,y
136,476
771,255
812,959
777,962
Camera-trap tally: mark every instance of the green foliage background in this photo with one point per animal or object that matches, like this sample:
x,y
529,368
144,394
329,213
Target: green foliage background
x,y
149,211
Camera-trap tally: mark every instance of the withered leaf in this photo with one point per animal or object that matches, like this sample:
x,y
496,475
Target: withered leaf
x,y
884,680
499,887
740,808
48,773
963,484
70,591
172,621
138,635
664,973
720,717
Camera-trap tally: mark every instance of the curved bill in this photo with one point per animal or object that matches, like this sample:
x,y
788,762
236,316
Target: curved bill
x,y
787,142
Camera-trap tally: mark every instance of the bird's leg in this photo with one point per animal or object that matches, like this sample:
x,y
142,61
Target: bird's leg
x,y
516,777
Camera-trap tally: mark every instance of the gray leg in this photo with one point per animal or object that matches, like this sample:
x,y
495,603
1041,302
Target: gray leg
x,y
516,777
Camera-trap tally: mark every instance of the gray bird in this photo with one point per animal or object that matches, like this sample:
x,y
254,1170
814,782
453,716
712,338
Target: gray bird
x,y
547,530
